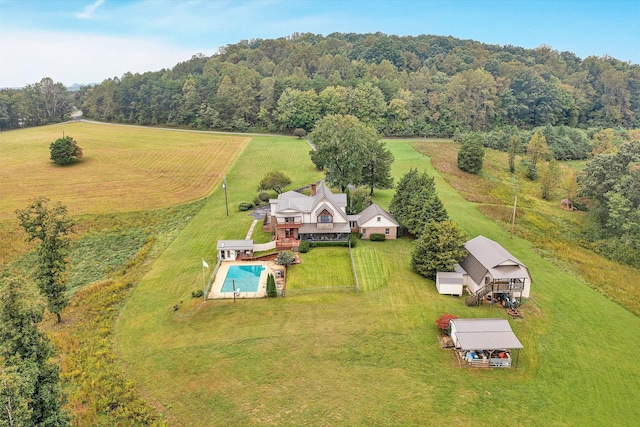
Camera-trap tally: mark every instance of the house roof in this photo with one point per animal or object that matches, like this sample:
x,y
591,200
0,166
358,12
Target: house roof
x,y
489,253
294,201
486,256
484,334
239,245
372,211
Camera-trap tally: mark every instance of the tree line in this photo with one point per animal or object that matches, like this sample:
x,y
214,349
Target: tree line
x,y
424,85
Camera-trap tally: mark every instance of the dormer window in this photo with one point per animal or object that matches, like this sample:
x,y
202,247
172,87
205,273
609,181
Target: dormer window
x,y
325,217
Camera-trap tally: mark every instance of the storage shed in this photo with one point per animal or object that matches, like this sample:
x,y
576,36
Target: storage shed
x,y
449,283
484,342
232,250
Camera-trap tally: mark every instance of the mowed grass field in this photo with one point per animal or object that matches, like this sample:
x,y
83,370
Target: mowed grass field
x,y
124,168
368,358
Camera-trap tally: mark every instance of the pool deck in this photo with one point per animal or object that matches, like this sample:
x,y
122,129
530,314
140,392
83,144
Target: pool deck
x,y
215,293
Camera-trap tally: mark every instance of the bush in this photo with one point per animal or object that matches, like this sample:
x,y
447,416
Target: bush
x,y
353,239
304,246
197,294
299,132
329,244
245,206
285,258
442,322
377,237
264,196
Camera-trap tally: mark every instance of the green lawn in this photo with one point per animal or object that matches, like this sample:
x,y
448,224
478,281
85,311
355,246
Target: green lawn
x,y
367,358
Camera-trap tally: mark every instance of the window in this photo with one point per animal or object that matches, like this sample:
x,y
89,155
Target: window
x,y
364,232
379,219
387,231
325,217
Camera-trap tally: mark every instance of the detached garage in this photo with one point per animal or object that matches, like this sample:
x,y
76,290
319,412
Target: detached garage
x,y
449,283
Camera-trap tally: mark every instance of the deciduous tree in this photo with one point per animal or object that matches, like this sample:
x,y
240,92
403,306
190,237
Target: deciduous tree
x,y
50,227
342,148
471,153
30,391
275,181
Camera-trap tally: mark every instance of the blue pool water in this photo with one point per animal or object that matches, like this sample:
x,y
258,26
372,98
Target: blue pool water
x,y
246,278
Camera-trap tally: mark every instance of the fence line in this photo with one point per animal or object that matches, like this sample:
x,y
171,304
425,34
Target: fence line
x,y
353,267
210,282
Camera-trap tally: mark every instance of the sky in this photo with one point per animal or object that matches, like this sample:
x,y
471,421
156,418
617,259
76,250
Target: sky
x,y
88,41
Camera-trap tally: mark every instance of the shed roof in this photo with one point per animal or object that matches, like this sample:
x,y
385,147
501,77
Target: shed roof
x,y
240,245
446,278
484,334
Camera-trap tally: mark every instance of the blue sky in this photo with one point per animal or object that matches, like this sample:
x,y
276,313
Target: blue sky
x,y
87,41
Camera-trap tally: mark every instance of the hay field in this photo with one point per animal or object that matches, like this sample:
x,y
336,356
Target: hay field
x,y
124,168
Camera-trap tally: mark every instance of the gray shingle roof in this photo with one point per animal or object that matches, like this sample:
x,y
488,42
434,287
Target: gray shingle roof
x,y
373,210
485,255
240,245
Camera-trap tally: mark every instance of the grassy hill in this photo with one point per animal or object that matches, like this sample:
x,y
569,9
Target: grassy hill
x,y
372,357
315,358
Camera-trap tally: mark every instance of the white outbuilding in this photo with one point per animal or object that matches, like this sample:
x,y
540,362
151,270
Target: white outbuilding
x,y
450,283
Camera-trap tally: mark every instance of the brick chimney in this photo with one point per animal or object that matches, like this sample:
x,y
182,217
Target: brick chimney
x,y
313,189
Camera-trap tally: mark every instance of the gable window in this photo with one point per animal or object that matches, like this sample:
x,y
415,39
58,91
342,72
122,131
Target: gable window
x,y
325,217
379,219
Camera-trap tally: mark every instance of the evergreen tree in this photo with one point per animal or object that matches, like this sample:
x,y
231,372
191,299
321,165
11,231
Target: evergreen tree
x,y
439,248
416,202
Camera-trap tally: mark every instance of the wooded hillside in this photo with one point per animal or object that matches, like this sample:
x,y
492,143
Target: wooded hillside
x,y
403,85
424,85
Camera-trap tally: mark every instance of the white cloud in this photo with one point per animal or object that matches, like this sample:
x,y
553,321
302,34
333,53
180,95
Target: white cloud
x,y
87,12
27,57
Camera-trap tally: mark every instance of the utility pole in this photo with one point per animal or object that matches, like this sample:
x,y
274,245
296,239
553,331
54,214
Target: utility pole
x,y
513,216
224,185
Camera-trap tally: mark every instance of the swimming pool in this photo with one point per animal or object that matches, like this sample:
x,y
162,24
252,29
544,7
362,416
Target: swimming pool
x,y
244,277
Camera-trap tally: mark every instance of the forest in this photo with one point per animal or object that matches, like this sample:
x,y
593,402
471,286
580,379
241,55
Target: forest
x,y
407,86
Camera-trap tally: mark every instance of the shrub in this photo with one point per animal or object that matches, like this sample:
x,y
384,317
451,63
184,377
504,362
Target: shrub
x,y
353,239
377,237
299,132
264,196
197,294
442,322
285,258
304,246
271,287
245,206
